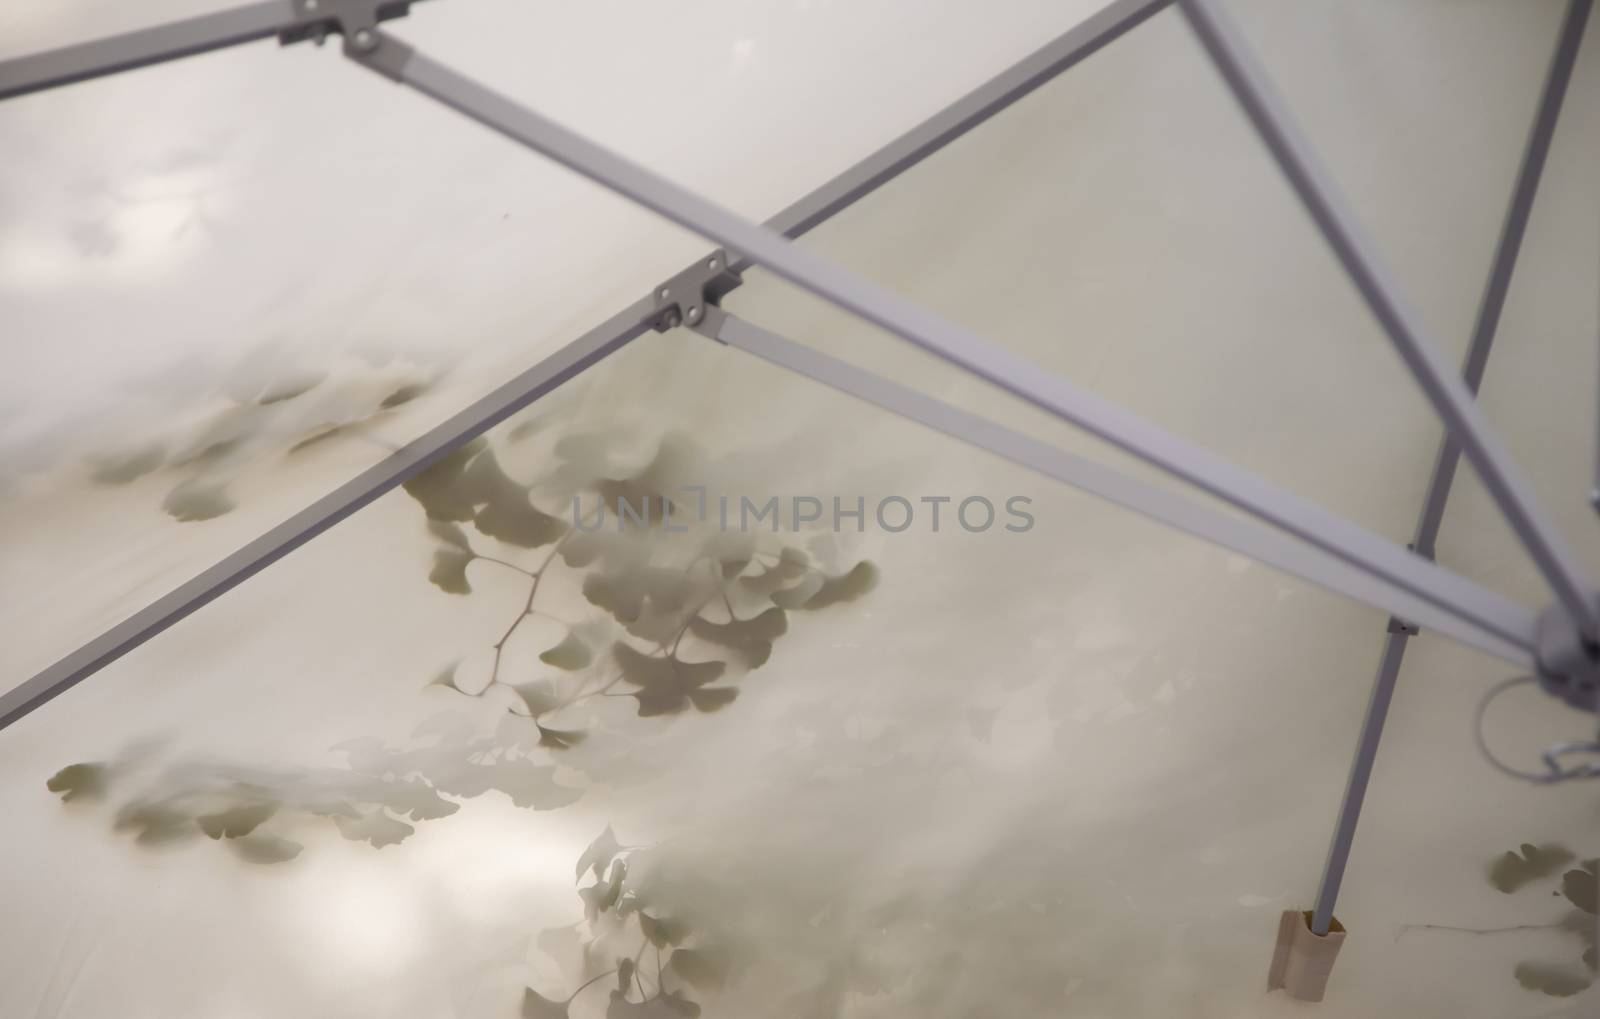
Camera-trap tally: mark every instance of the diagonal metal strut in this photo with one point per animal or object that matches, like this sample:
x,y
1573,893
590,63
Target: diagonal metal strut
x,y
295,19
1196,465
1501,267
1270,547
1358,255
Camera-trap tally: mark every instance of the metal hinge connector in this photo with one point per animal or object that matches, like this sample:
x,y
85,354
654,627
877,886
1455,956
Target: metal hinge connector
x,y
692,296
355,20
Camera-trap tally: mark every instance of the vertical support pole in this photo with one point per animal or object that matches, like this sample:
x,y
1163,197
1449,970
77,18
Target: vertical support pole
x,y
1501,267
1355,251
1355,790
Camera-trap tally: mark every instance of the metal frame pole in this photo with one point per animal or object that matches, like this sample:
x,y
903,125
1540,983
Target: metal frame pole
x,y
1285,510
1042,66
1463,418
1501,267
1498,618
1157,503
68,64
389,473
148,46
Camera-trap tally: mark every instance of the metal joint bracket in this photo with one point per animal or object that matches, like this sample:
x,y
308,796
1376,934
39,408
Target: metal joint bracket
x,y
1398,625
355,20
1568,663
692,297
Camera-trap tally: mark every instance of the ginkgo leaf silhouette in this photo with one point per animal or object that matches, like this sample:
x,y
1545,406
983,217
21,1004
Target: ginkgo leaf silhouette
x,y
75,781
792,565
664,674
634,504
560,739
861,578
1580,887
469,484
539,695
237,821
266,849
319,436
656,624
652,705
439,488
450,534
648,496
598,855
376,828
752,638
662,933
537,1006
210,452
449,573
702,968
797,596
418,801
403,395
668,588
523,430
197,500
656,594
615,595
1583,925
604,893
1557,981
513,519
121,468
709,698
731,550
1514,870
288,388
154,824
571,654
584,548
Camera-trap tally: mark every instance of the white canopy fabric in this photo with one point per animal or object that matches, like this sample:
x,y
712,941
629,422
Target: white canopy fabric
x,y
1091,761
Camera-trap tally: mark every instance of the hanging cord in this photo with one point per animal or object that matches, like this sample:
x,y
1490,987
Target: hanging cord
x,y
1552,757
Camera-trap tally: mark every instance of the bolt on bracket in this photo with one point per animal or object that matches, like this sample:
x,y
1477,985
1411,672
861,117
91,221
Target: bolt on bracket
x,y
355,20
692,296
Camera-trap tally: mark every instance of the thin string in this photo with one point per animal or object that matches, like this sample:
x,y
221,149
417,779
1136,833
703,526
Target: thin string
x,y
1554,771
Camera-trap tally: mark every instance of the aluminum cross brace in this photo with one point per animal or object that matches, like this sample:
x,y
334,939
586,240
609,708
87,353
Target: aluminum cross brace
x,y
1358,255
1157,503
365,487
1294,514
288,20
298,19
1501,267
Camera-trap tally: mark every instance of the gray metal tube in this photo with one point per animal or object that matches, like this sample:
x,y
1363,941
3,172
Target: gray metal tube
x,y
1355,251
167,42
1355,790
1270,547
411,459
1096,31
146,46
1287,511
1501,267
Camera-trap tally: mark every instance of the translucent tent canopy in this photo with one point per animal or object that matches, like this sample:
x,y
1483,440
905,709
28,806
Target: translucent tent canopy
x,y
1077,769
